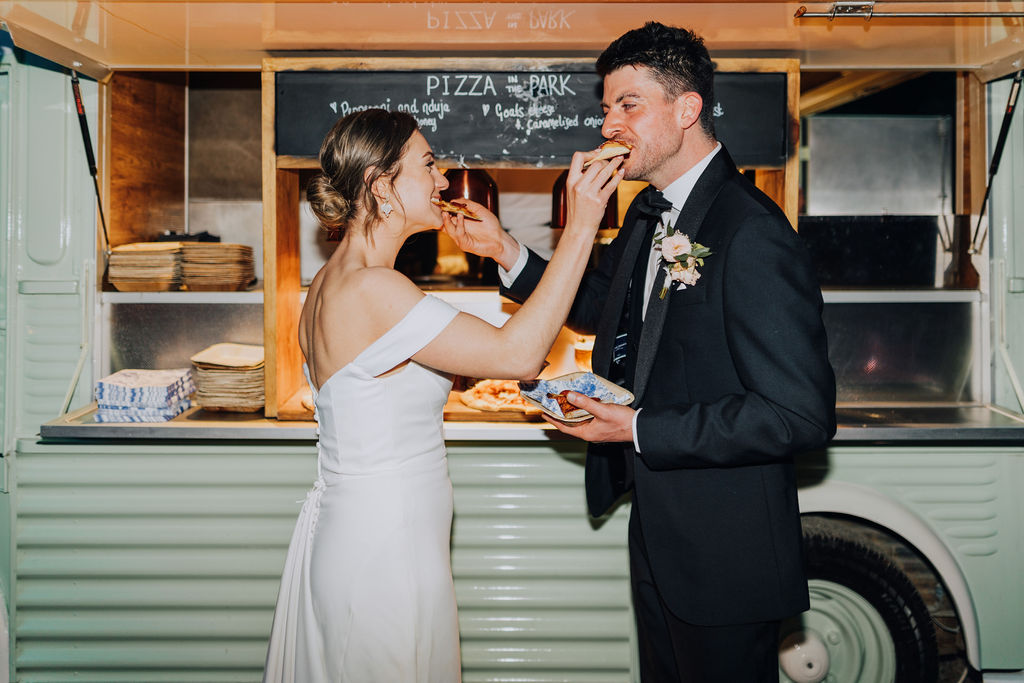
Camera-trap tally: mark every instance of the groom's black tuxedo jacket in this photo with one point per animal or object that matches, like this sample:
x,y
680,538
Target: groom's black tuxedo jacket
x,y
732,379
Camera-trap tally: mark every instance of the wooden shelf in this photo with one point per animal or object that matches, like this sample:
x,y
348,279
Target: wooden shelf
x,y
292,409
298,163
254,296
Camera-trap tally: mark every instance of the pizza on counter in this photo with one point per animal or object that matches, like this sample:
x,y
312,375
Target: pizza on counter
x,y
496,395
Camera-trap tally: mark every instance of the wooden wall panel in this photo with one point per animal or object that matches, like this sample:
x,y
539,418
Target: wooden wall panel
x,y
971,152
146,155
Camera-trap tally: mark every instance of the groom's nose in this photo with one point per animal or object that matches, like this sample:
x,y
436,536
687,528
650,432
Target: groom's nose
x,y
611,126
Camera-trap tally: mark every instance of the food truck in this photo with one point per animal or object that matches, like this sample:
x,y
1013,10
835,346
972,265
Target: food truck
x,y
153,550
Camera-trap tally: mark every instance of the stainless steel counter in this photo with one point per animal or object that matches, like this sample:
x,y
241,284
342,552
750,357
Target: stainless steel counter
x,y
857,424
963,422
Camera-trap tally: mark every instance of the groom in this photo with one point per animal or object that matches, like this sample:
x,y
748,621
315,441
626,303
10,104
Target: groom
x,y
728,363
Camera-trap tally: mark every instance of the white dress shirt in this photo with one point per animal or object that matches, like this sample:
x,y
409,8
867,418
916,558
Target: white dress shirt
x,y
677,193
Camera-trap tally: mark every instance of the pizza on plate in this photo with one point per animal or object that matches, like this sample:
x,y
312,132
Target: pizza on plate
x,y
569,410
496,395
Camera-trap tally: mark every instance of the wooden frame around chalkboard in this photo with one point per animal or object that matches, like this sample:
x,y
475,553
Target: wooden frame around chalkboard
x,y
282,301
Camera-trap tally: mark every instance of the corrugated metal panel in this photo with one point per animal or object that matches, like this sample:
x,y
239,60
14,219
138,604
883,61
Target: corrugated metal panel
x,y
543,595
138,562
150,563
47,337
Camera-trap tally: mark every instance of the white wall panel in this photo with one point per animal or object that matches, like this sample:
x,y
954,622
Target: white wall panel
x,y
50,226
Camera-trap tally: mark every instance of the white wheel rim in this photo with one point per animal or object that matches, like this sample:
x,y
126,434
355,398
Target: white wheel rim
x,y
858,647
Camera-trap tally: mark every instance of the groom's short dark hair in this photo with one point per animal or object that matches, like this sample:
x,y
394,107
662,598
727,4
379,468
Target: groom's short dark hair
x,y
676,57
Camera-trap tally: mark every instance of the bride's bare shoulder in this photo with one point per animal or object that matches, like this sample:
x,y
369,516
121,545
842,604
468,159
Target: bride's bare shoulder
x,y
376,293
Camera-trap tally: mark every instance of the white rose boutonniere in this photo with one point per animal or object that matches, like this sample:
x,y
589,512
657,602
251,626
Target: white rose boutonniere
x,y
681,258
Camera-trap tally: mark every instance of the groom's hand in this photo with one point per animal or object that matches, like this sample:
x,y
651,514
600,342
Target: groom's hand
x,y
610,423
484,237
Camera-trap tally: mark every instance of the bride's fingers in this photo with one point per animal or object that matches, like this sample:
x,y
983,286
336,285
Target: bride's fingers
x,y
599,174
576,164
600,185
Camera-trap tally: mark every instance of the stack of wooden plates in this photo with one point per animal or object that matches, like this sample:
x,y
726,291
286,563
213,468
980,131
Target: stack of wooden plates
x,y
217,266
145,266
229,377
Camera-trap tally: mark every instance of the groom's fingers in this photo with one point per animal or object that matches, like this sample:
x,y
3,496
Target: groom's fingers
x,y
583,401
610,422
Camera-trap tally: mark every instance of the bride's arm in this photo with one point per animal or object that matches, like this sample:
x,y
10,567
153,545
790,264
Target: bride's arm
x,y
472,347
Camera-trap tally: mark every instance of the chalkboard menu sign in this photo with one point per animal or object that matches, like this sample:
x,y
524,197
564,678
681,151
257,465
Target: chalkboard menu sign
x,y
532,118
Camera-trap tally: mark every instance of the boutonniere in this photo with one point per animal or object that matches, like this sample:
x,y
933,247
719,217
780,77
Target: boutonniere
x,y
680,258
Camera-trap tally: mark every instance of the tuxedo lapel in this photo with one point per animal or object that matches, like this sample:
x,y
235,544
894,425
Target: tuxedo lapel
x,y
690,222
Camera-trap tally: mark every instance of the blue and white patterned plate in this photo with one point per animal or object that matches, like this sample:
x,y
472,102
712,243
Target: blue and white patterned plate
x,y
536,393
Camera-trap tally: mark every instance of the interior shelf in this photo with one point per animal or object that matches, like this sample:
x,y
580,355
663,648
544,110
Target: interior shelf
x,y
253,296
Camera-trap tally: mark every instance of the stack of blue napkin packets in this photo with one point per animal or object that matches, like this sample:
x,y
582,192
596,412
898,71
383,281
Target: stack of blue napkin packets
x,y
143,395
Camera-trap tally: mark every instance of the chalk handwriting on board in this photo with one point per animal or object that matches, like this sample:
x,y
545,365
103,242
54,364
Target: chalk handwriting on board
x,y
461,85
533,117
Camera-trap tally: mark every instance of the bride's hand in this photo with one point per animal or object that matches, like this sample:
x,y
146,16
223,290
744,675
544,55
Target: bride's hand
x,y
588,191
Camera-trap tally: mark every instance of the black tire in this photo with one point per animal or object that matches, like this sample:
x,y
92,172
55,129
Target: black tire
x,y
835,552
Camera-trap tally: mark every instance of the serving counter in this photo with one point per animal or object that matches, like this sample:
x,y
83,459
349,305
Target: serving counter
x,y
137,547
964,423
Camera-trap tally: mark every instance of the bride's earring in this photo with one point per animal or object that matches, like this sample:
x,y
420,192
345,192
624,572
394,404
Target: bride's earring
x,y
386,208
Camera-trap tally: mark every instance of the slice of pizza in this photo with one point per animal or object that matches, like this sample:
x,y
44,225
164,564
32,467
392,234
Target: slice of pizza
x,y
454,208
610,149
568,409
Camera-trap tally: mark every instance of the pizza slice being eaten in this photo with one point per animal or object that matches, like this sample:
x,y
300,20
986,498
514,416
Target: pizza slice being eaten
x,y
455,208
610,149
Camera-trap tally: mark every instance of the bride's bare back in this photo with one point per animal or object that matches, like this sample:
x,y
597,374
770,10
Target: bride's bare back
x,y
343,314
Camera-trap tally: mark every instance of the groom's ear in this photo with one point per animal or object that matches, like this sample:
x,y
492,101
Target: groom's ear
x,y
688,108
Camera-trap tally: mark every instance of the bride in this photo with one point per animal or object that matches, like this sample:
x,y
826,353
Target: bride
x,y
367,594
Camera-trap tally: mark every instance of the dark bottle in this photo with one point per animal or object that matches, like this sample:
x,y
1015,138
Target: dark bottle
x,y
477,185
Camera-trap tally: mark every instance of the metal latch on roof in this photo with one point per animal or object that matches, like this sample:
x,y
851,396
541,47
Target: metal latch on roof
x,y
866,9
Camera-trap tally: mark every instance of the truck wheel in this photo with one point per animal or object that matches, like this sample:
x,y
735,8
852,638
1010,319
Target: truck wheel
x,y
867,623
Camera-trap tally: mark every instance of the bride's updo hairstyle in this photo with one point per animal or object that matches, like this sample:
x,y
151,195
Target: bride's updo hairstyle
x,y
360,148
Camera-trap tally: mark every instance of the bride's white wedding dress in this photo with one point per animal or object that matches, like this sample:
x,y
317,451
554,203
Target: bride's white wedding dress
x,y
367,595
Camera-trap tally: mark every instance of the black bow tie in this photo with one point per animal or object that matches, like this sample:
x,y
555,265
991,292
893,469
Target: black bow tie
x,y
652,203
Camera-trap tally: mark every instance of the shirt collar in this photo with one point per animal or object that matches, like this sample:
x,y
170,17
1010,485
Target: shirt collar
x,y
679,189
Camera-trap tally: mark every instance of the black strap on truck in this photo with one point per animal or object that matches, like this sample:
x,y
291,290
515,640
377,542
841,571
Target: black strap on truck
x,y
997,154
90,157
